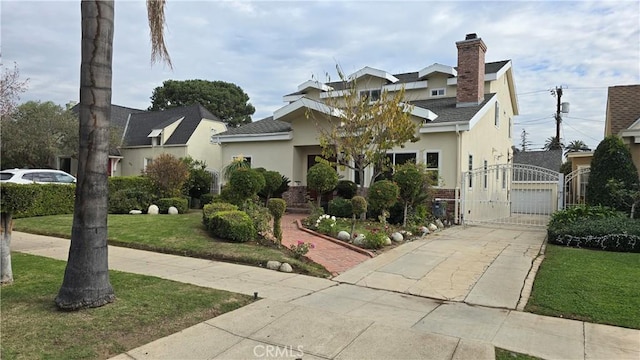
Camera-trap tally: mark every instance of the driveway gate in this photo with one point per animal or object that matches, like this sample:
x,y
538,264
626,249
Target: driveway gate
x,y
514,194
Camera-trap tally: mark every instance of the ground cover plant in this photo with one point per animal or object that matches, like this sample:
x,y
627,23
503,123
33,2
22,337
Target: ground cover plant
x,y
182,234
589,285
146,308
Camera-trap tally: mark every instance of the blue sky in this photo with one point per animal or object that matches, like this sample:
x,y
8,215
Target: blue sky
x,y
268,48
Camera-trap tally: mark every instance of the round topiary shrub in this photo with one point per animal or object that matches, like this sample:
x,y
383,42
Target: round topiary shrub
x,y
346,189
232,225
246,182
358,205
277,208
383,195
340,207
272,182
322,178
209,209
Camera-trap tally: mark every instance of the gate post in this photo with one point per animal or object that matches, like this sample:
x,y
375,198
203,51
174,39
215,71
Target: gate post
x,y
561,191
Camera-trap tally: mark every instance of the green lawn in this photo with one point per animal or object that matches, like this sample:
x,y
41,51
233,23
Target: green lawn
x,y
589,285
174,234
146,308
502,354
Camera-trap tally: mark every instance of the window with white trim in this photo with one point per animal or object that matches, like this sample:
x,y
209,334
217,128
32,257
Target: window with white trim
x,y
246,159
432,162
396,159
147,162
496,121
438,92
372,95
510,128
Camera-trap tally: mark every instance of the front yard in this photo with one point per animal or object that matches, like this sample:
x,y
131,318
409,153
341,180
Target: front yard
x,y
146,308
589,285
175,234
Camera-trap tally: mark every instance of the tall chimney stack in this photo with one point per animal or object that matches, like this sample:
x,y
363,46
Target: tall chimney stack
x,y
470,88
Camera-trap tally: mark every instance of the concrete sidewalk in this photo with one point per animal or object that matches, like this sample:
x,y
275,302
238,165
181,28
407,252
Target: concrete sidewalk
x,y
312,318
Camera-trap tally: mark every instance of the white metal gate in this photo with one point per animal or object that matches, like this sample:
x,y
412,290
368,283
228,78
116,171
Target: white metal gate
x,y
514,194
575,187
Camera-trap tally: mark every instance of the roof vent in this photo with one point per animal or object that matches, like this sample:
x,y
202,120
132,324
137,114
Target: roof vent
x,y
471,36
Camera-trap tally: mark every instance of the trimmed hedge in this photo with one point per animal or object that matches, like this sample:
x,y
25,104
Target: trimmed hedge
x,y
117,183
179,203
346,189
50,199
209,209
232,225
611,234
340,207
17,197
125,200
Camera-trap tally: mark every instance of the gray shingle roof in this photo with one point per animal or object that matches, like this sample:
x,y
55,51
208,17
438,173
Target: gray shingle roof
x,y
264,126
119,117
447,111
141,124
551,160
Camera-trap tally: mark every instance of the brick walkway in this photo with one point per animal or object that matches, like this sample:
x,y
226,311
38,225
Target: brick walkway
x,y
335,258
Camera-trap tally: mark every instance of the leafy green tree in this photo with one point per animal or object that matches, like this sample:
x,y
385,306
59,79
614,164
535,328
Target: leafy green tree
x,y
50,126
576,146
199,182
359,132
410,181
553,144
86,277
225,100
382,196
168,175
611,161
321,177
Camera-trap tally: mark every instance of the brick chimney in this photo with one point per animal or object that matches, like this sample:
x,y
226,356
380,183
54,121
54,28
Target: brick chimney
x,y
471,52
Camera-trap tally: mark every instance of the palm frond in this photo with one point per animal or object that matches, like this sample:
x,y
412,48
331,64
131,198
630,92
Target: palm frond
x,y
155,13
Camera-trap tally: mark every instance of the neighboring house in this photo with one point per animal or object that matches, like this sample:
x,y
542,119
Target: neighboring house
x,y
464,116
623,117
181,132
534,190
119,117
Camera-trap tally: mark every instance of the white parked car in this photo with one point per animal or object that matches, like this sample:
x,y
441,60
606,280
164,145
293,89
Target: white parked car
x,y
37,176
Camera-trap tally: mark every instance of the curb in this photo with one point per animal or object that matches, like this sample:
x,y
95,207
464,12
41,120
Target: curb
x,y
336,241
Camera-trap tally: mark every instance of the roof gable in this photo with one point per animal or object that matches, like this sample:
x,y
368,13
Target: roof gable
x,y
141,125
435,67
623,108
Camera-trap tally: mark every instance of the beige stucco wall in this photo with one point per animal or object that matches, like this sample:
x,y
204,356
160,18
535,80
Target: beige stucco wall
x,y
580,160
271,155
133,162
201,147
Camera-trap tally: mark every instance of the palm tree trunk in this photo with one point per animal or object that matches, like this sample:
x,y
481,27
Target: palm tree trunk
x,y
86,278
6,272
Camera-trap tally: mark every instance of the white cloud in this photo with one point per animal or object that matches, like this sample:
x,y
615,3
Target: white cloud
x,y
268,48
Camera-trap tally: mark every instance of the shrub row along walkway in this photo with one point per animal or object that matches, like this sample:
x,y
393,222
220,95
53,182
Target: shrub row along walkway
x,y
335,258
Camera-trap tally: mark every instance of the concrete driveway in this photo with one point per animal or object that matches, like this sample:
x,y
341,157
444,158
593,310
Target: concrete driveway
x,y
477,265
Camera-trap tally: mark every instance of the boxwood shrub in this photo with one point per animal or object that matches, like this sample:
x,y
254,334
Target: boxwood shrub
x,y
340,207
209,209
125,200
142,183
182,204
232,225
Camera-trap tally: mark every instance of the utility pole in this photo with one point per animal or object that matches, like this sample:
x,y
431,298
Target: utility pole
x,y
557,92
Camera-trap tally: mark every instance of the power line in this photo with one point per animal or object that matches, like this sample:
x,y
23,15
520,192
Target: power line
x,y
589,136
579,118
